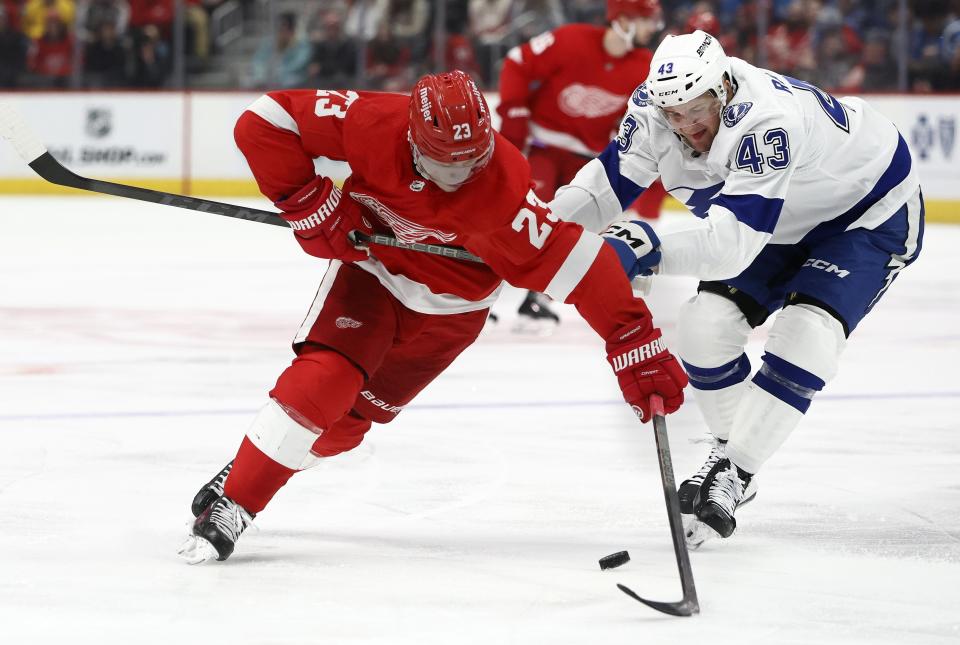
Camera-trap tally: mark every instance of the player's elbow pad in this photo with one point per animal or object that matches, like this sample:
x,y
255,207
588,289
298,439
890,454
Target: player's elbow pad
x,y
244,132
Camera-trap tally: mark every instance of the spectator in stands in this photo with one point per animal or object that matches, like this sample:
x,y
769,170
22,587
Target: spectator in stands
x,y
151,60
951,44
790,43
458,47
488,24
34,21
740,37
13,52
153,12
51,57
90,15
198,30
388,61
105,58
702,17
461,55
836,62
928,53
12,10
875,70
837,50
333,62
282,59
364,17
855,14
408,21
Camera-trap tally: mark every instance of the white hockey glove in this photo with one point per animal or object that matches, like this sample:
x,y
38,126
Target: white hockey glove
x,y
637,246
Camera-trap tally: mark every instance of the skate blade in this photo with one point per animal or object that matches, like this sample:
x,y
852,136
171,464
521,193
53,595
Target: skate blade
x,y
197,550
696,533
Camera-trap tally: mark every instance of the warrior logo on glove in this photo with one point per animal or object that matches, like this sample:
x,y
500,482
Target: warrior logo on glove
x,y
637,355
643,365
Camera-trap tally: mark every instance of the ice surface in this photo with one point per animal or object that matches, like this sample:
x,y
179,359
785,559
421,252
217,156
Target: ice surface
x,y
137,341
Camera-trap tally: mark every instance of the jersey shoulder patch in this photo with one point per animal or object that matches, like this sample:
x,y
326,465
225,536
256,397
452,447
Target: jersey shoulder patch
x,y
641,98
733,114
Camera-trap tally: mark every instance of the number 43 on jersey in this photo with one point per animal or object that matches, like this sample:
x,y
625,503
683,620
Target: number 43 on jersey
x,y
770,150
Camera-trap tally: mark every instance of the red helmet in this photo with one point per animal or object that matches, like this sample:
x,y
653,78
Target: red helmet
x,y
633,8
704,21
449,118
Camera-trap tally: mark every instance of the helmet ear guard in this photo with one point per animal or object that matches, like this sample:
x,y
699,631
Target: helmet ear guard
x,y
685,67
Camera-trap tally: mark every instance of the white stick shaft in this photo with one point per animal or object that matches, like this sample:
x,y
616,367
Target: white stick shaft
x,y
15,130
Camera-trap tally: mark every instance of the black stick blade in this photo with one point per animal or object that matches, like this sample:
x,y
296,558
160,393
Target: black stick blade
x,y
685,607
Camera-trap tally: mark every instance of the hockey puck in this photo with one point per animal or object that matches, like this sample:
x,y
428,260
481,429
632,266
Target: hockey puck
x,y
614,560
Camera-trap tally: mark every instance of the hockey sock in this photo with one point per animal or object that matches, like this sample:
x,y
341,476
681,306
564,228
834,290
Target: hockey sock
x,y
718,391
311,395
714,361
255,478
801,356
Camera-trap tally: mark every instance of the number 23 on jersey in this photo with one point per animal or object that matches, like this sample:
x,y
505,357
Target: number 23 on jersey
x,y
529,217
331,103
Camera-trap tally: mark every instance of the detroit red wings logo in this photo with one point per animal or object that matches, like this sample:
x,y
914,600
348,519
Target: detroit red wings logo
x,y
404,229
589,101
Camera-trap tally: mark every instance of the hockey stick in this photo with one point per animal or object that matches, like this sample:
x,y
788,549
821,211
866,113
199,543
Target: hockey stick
x,y
689,604
34,153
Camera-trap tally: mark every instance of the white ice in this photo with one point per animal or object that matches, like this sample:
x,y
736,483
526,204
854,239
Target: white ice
x,y
137,341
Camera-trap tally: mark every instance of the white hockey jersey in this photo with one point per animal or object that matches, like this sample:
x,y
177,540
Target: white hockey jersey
x,y
790,164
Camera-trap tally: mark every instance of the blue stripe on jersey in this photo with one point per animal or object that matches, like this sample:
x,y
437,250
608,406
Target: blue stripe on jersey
x,y
700,198
892,177
625,190
717,378
756,211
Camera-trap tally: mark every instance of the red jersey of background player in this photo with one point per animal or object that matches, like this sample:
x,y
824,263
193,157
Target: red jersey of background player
x,y
572,91
496,215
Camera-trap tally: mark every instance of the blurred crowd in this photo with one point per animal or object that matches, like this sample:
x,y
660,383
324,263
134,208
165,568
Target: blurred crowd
x,y
840,45
101,43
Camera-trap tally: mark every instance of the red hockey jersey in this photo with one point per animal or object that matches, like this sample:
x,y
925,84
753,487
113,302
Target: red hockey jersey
x,y
496,215
572,91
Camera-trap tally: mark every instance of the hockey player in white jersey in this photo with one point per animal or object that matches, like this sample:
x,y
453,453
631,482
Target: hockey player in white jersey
x,y
810,205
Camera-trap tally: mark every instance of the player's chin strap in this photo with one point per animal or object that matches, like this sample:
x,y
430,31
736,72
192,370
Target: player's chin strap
x,y
627,35
29,147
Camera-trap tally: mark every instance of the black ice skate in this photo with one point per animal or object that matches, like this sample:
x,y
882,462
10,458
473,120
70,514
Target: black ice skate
x,y
216,531
535,316
210,492
725,488
690,488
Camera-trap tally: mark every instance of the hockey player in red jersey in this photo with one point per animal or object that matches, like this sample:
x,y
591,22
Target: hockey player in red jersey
x,y
562,96
384,324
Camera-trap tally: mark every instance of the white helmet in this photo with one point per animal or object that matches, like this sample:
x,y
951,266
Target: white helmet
x,y
685,67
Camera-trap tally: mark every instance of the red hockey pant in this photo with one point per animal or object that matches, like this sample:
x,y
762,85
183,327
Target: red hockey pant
x,y
399,352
